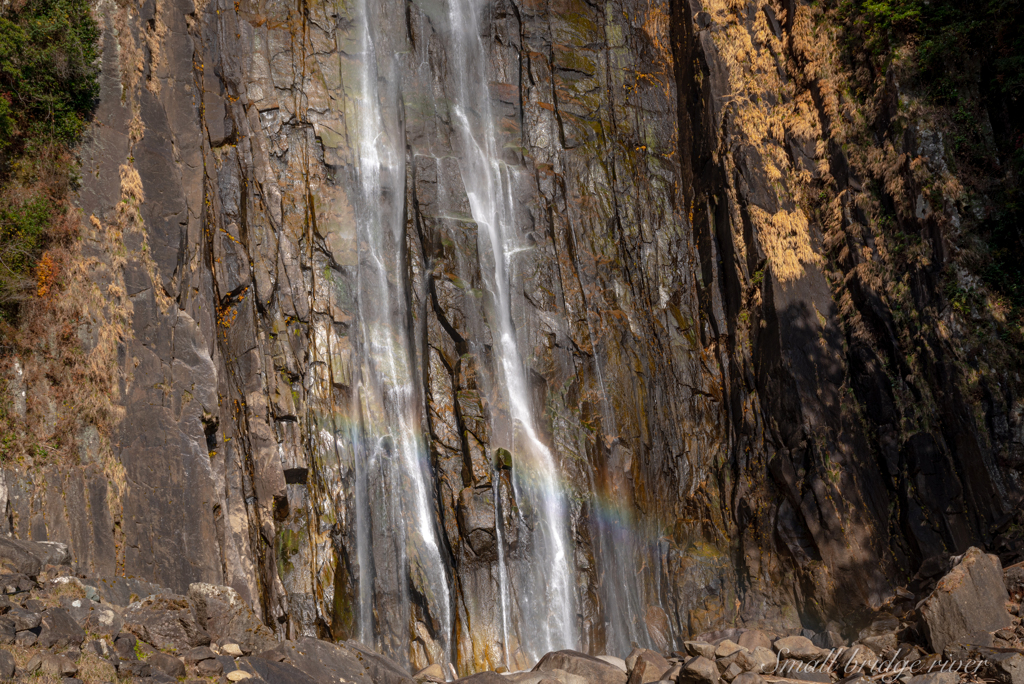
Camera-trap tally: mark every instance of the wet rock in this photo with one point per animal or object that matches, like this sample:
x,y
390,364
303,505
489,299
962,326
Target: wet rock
x,y
580,664
222,612
699,670
6,665
167,664
166,622
967,603
797,648
59,630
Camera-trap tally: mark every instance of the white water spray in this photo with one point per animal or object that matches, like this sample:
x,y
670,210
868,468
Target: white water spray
x,y
544,580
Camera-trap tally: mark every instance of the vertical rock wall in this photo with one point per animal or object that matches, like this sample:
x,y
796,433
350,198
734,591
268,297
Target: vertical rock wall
x,y
725,397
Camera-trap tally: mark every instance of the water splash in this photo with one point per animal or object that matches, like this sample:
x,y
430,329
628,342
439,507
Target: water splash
x,y
543,580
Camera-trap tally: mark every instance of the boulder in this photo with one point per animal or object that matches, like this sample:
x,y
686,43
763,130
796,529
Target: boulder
x,y
967,602
17,556
7,631
222,612
699,670
124,646
754,638
655,665
431,673
272,672
59,630
731,672
726,648
1005,668
23,619
167,664
590,668
165,621
323,661
749,678
700,648
209,668
617,662
6,665
760,660
199,654
134,668
57,666
828,640
797,648
1013,578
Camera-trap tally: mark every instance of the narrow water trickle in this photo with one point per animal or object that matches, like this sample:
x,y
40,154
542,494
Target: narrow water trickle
x,y
543,578
392,435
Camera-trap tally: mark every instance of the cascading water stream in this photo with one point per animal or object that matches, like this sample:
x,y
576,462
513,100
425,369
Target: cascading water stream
x,y
388,394
543,580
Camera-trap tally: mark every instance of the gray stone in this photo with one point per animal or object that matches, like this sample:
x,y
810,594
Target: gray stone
x,y
167,664
57,666
6,665
59,629
222,612
1005,668
967,603
166,622
209,668
199,654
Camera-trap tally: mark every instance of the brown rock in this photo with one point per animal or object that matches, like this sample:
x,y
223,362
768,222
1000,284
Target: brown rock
x,y
583,665
968,602
699,670
754,638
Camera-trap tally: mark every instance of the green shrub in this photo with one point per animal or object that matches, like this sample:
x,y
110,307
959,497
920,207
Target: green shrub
x,y
48,88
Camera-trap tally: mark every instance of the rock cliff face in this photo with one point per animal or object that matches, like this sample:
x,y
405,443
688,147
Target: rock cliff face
x,y
475,330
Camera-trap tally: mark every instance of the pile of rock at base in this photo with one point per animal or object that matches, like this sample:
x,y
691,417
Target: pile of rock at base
x,y
55,628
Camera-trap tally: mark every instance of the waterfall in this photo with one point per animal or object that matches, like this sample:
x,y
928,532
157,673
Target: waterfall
x,y
397,467
543,580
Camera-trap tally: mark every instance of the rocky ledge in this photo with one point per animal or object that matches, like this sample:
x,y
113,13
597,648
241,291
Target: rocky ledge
x,y
963,623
